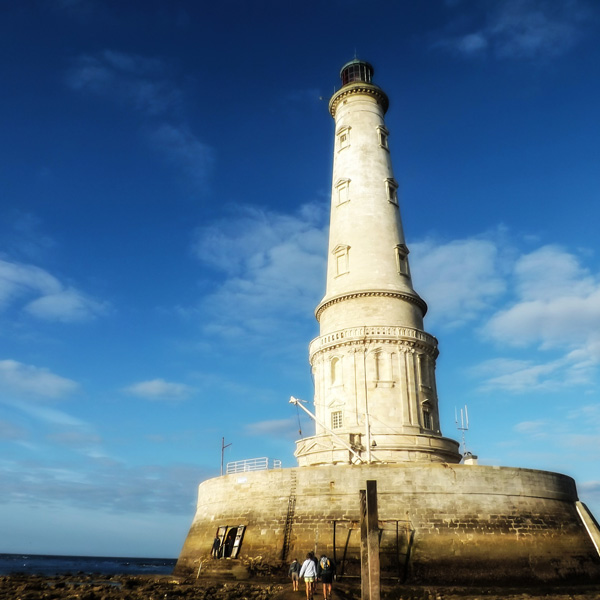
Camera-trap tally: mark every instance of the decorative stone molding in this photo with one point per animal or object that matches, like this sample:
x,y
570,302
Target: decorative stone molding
x,y
369,294
407,337
371,334
359,88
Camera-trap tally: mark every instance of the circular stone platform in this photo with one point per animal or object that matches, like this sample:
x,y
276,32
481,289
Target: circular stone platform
x,y
439,523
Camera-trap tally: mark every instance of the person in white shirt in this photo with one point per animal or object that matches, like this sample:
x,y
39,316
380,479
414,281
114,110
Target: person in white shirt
x,y
309,572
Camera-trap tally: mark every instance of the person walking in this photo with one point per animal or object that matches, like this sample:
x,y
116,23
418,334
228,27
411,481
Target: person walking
x,y
216,547
309,572
326,573
294,572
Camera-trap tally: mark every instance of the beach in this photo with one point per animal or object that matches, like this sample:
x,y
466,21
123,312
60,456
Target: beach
x,y
160,587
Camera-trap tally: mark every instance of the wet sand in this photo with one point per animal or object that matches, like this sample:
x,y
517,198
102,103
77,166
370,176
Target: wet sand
x,y
155,587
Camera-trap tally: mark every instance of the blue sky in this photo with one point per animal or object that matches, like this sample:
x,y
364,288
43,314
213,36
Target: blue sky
x,y
164,188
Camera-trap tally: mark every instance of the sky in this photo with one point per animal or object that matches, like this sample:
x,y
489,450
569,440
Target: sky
x,y
165,176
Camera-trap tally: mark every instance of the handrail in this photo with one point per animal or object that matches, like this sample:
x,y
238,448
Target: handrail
x,y
252,464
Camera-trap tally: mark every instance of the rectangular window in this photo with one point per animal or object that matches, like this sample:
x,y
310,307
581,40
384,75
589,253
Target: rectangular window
x,y
342,188
392,190
427,422
383,134
340,252
402,260
336,419
343,136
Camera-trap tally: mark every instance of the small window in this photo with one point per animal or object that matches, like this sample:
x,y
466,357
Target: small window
x,y
336,419
383,134
343,136
336,371
427,418
402,260
342,191
427,424
342,261
392,190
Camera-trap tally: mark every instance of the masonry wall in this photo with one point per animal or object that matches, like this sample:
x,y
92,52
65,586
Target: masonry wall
x,y
439,523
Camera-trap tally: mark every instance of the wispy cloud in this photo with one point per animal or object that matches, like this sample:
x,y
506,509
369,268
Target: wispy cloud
x,y
159,389
136,81
263,254
278,428
11,432
182,148
562,436
30,381
113,487
145,85
519,29
43,296
556,306
22,238
545,299
459,279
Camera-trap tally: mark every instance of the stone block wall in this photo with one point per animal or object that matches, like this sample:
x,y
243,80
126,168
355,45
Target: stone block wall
x,y
439,523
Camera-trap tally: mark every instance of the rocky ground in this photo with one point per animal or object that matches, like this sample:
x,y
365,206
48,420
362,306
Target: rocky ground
x,y
90,587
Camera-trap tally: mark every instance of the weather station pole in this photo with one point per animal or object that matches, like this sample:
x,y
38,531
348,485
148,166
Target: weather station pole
x,y
223,446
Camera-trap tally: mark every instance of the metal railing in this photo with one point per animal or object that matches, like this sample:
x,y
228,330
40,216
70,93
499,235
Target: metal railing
x,y
252,464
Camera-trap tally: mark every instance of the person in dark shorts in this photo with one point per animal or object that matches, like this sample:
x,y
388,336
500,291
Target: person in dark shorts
x,y
294,573
326,574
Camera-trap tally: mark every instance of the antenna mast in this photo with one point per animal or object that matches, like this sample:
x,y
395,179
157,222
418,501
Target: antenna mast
x,y
464,426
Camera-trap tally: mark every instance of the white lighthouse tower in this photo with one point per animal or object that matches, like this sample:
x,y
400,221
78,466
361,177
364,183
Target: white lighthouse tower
x,y
373,364
376,413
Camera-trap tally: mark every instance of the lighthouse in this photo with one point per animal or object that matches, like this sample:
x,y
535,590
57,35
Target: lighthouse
x,y
373,364
376,416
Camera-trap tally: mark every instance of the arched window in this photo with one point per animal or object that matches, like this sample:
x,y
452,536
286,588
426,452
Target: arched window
x,y
336,370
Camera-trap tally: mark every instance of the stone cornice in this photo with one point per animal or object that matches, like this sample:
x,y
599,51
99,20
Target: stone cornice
x,y
413,299
409,338
359,88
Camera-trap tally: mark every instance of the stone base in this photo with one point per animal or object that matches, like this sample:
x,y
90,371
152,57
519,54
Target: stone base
x,y
440,523
320,450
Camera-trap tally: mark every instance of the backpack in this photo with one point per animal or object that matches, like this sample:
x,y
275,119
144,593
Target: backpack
x,y
325,563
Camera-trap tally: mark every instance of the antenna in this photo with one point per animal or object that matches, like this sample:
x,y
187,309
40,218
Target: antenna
x,y
464,425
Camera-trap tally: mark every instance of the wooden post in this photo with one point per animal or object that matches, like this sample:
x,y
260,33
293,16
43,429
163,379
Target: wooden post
x,y
369,543
373,540
364,551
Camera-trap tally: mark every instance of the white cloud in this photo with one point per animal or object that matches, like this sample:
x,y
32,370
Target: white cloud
x,y
526,376
545,298
522,29
184,149
537,428
557,305
278,428
52,300
159,389
66,305
458,279
264,254
31,381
